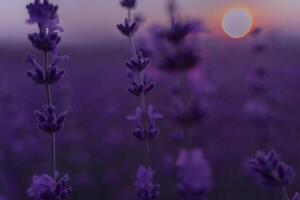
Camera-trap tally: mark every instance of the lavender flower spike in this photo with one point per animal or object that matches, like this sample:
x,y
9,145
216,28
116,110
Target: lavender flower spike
x,y
49,122
193,175
270,170
130,4
296,196
128,29
145,188
45,187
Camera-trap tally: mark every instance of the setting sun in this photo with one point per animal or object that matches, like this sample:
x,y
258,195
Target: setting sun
x,y
237,22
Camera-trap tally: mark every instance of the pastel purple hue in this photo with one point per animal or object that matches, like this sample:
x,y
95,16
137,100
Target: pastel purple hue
x,y
193,174
144,184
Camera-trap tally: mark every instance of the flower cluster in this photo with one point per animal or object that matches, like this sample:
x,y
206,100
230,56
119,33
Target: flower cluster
x,y
193,174
145,116
45,187
145,188
296,197
152,130
52,74
270,170
44,14
48,121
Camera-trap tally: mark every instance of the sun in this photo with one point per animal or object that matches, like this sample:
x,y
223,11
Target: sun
x,y
237,22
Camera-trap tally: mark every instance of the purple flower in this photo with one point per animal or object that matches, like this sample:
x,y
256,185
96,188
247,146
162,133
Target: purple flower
x,y
270,170
152,130
44,14
180,31
188,115
41,186
45,187
139,64
54,74
182,60
145,188
128,28
130,4
48,121
45,42
139,89
296,196
193,174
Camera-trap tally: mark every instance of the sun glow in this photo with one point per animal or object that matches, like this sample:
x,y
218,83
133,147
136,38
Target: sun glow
x,y
237,22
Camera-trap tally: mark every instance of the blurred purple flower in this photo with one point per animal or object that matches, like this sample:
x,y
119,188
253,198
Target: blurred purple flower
x,y
45,187
130,4
146,189
48,121
179,31
270,170
152,130
41,187
296,196
184,59
193,174
128,29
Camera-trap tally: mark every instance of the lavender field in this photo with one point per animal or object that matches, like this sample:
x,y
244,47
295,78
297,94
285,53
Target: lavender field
x,y
159,111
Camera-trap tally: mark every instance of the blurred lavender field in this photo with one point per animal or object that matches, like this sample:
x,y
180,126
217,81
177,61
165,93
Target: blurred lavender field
x,y
97,149
249,100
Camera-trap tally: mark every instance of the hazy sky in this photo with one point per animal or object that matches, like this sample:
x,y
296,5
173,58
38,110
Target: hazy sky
x,y
89,20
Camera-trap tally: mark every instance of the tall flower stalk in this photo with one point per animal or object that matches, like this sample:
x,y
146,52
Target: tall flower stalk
x,y
145,117
46,40
178,56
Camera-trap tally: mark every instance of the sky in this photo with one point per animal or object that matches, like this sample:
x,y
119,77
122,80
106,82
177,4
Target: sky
x,y
89,20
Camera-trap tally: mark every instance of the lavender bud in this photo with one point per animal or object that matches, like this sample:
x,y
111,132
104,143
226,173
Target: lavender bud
x,y
146,189
193,174
270,170
128,29
130,4
45,187
48,121
45,42
296,196
139,64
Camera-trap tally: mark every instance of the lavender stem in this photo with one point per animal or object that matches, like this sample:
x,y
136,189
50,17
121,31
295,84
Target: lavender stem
x,y
49,100
143,102
284,193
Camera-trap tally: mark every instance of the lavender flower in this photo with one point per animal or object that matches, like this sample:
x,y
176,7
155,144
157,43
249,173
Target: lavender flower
x,y
128,29
145,117
139,132
130,4
49,122
270,170
45,16
45,187
54,74
146,189
193,174
296,196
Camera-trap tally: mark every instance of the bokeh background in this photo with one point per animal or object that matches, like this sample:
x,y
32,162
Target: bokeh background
x,y
97,148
